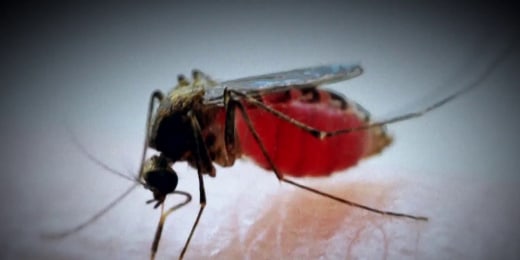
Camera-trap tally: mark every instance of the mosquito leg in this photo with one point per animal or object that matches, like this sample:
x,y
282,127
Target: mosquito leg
x,y
244,97
162,219
159,96
199,214
229,125
202,158
301,186
325,134
202,155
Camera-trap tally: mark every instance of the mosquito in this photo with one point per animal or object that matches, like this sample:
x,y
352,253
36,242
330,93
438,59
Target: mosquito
x,y
206,123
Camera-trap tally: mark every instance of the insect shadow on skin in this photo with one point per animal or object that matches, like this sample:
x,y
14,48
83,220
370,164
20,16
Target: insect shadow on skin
x,y
196,122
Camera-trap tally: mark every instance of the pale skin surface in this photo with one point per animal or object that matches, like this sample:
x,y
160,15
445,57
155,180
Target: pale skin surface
x,y
250,215
257,218
297,224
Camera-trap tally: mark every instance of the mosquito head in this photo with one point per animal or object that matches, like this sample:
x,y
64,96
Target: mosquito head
x,y
160,178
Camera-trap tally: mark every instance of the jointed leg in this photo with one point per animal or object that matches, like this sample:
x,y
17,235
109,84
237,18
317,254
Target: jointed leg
x,y
229,124
237,104
155,95
201,153
163,217
199,214
324,134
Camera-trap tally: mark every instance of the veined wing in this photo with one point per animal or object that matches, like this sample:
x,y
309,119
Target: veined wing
x,y
279,81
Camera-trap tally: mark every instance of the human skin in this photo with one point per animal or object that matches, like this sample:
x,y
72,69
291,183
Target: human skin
x,y
297,224
256,217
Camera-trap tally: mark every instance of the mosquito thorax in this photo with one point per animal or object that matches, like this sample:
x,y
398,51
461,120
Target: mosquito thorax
x,y
159,177
171,130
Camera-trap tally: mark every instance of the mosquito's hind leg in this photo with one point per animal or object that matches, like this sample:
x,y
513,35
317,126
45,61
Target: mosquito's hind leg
x,y
237,104
326,134
413,114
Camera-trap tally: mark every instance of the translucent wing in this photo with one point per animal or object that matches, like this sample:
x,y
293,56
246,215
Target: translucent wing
x,y
279,81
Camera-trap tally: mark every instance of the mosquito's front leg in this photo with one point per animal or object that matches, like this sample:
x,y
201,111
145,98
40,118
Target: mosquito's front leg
x,y
159,96
201,161
162,219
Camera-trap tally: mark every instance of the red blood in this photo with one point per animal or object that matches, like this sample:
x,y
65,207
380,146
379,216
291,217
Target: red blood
x,y
296,152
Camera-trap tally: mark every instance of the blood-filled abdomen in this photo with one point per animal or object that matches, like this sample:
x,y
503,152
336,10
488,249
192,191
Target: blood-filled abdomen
x,y
297,153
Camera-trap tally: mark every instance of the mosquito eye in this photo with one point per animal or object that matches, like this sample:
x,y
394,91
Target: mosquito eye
x,y
162,181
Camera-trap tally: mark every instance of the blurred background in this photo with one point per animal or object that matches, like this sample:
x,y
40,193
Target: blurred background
x,y
87,70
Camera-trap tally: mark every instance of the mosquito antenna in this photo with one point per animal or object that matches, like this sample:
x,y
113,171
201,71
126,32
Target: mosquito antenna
x,y
105,209
92,219
94,159
155,95
100,163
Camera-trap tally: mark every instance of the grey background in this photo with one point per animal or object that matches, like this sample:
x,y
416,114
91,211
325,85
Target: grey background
x,y
91,69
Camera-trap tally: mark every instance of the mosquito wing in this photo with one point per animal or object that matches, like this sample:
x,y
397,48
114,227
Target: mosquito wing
x,y
279,81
